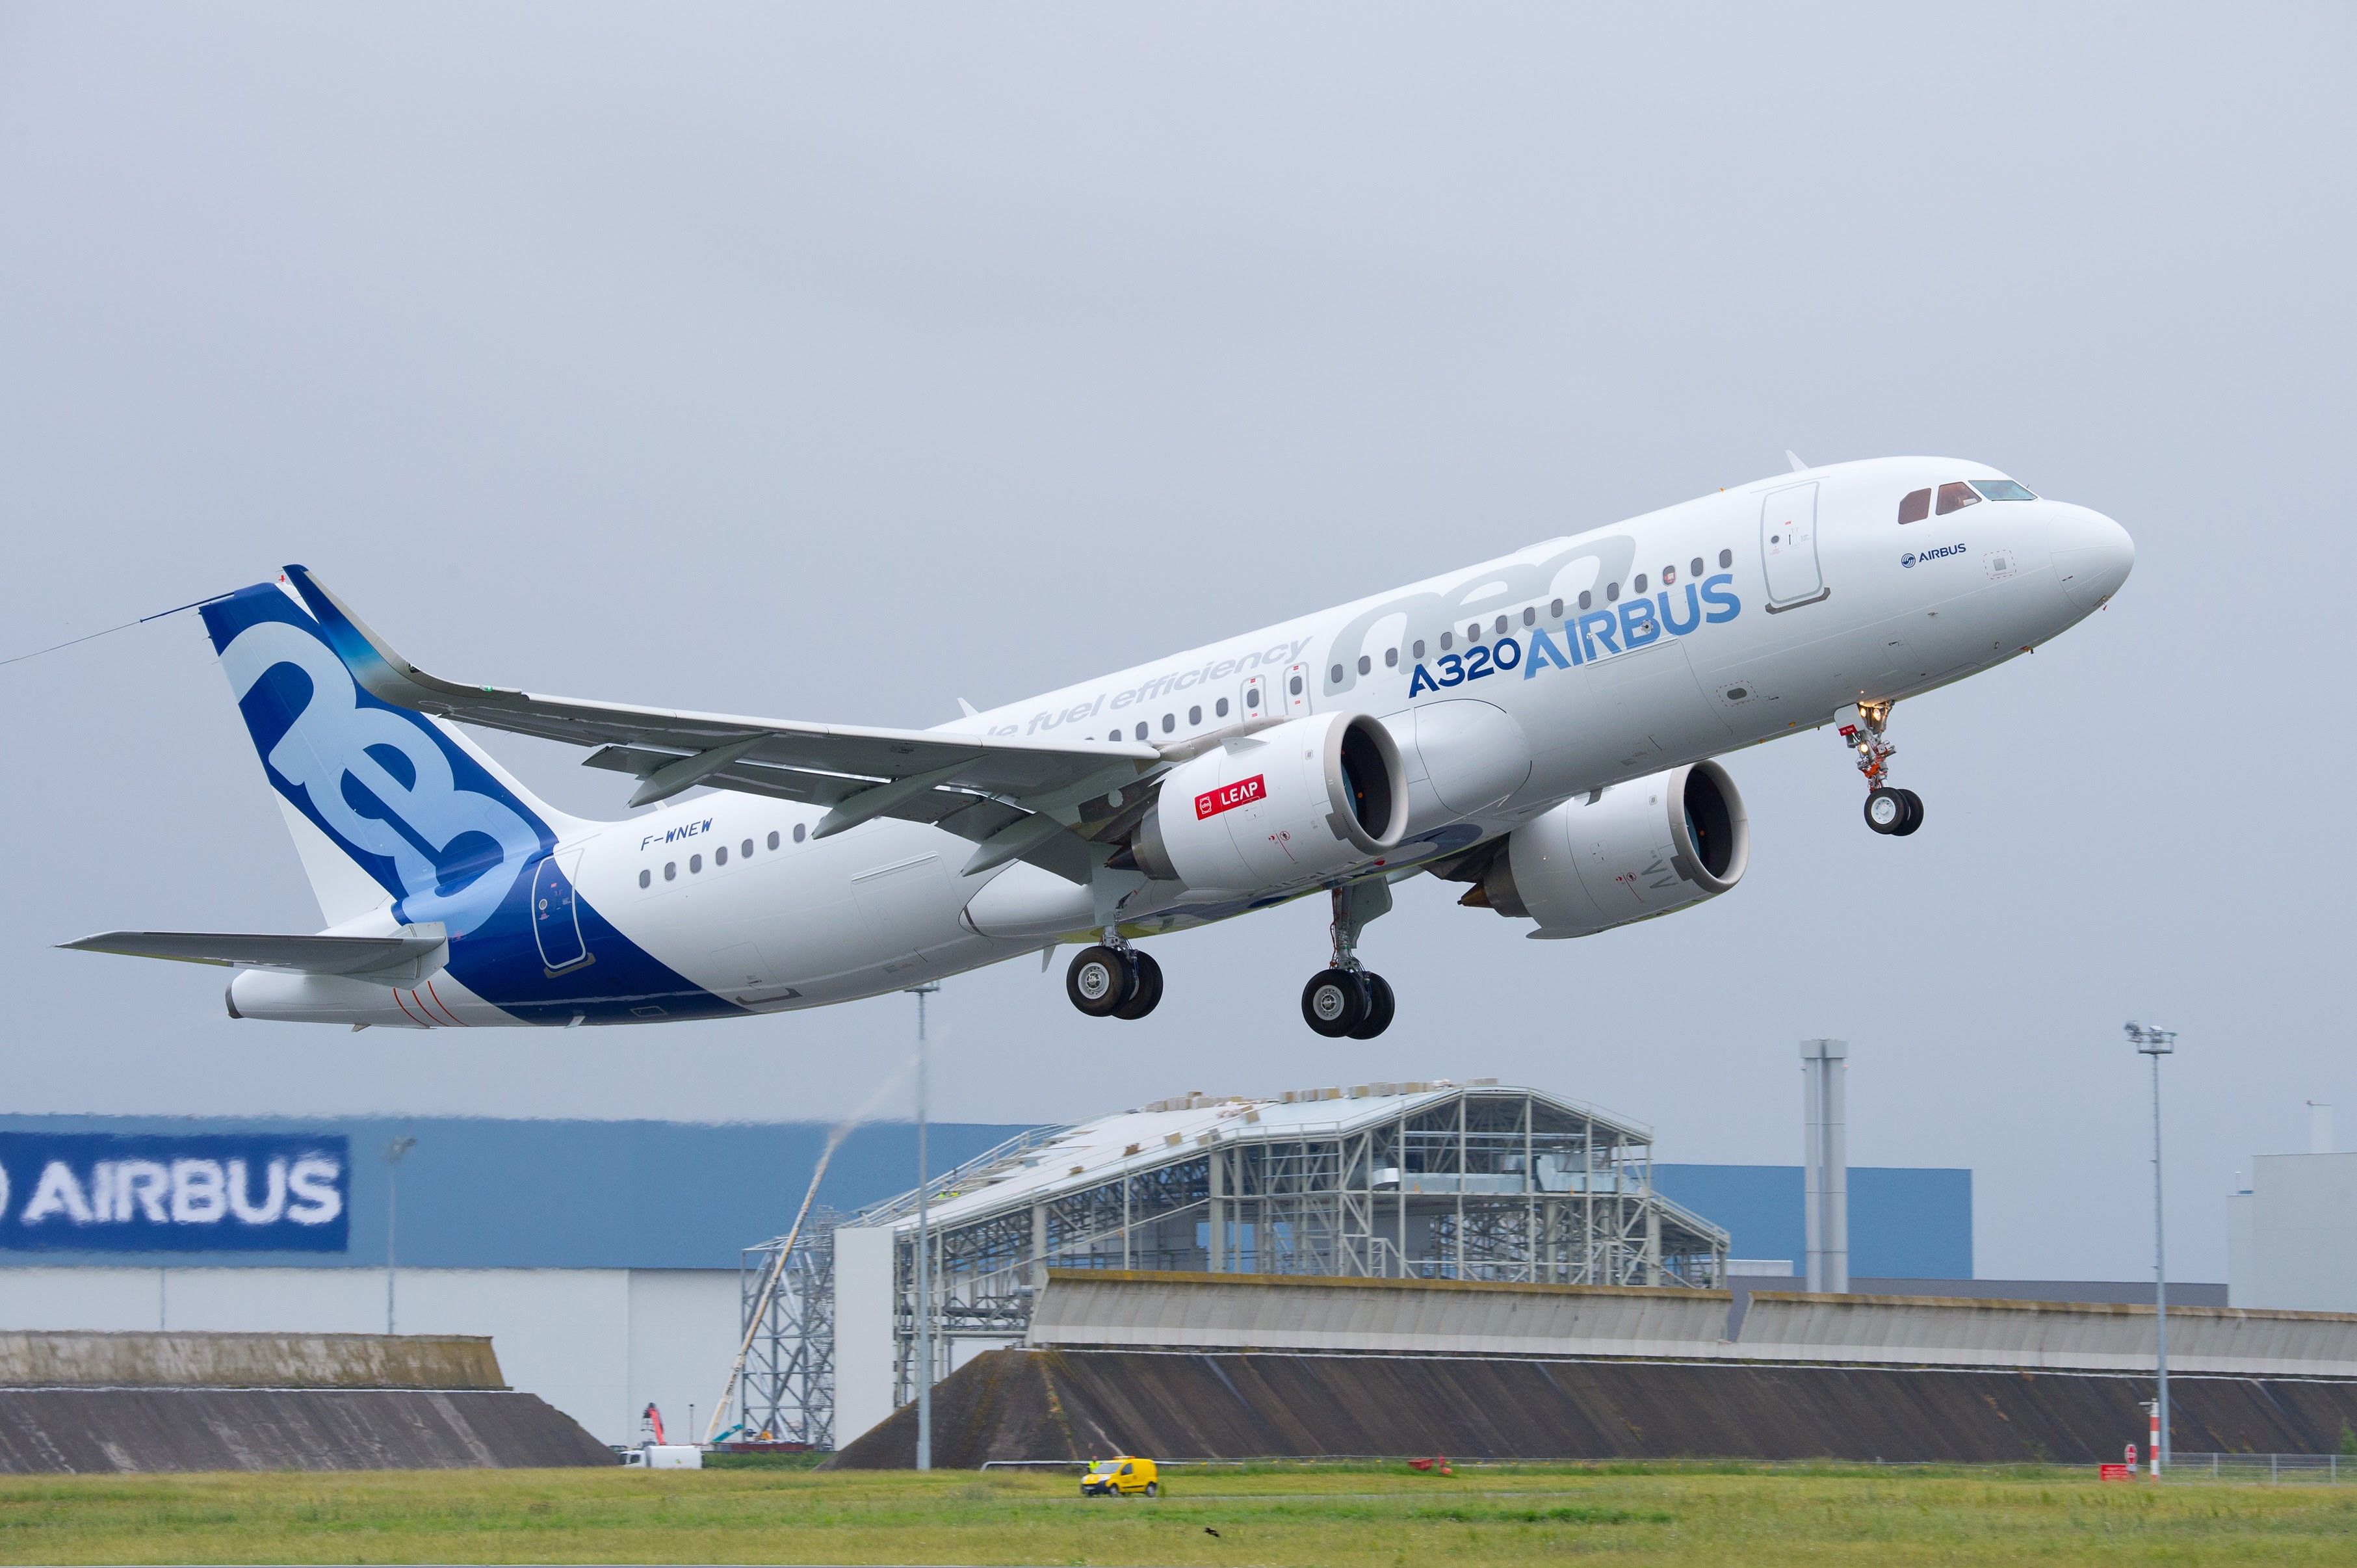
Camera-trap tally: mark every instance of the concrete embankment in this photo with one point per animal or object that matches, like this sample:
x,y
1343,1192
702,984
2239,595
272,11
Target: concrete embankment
x,y
98,1403
1079,1403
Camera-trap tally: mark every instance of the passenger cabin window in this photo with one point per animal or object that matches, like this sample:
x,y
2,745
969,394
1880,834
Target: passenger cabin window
x,y
1419,647
2002,490
671,871
1391,657
720,855
1335,675
1554,610
1585,598
745,849
646,877
1448,640
1169,723
1195,715
1669,575
1725,559
1530,614
1141,730
1611,592
1473,632
1697,567
1640,583
1220,708
695,864
1501,626
801,829
773,836
1956,495
1251,700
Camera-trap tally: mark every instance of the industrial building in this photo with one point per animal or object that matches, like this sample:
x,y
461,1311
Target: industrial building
x,y
1421,1180
602,1258
2291,1233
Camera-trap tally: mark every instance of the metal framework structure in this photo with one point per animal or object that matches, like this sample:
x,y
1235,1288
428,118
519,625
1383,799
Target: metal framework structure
x,y
787,1395
1430,1181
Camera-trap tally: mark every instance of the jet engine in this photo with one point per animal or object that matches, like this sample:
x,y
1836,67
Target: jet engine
x,y
1637,849
1275,809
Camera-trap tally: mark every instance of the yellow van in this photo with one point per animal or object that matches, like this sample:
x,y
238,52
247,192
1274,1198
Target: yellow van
x,y
1122,1477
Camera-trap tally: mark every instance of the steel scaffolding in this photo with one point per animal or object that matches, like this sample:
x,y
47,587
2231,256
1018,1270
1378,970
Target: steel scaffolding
x,y
1431,1181
787,1395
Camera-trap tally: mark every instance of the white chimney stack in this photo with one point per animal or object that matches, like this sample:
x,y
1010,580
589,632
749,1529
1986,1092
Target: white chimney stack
x,y
1824,1064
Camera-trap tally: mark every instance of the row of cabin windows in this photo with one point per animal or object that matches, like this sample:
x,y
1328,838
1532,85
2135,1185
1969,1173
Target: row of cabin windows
x,y
1195,713
719,857
1530,616
1956,495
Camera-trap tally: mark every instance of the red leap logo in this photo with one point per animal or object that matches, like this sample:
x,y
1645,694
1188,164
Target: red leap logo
x,y
1228,797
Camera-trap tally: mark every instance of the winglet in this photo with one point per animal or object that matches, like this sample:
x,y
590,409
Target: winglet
x,y
382,673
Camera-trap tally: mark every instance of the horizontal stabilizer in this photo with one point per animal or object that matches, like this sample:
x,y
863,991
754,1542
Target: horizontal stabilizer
x,y
362,957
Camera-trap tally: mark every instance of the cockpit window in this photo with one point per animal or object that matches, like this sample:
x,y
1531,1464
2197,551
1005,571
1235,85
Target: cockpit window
x,y
1915,506
1955,495
2002,490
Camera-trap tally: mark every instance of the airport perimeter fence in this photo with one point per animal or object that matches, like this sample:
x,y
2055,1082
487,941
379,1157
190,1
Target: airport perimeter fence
x,y
2328,1469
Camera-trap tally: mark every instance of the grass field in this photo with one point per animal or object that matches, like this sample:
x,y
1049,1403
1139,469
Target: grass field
x,y
1329,1515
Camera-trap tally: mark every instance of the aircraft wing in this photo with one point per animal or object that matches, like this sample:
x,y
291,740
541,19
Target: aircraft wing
x,y
990,789
309,955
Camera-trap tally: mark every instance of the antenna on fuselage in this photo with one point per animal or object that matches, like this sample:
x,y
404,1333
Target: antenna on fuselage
x,y
1794,458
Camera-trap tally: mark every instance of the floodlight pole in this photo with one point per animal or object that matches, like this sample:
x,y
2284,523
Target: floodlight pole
x,y
392,1153
2157,1044
924,1253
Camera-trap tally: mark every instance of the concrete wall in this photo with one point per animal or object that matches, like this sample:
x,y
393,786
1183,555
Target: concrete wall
x,y
44,1359
2292,1238
598,1344
1274,1312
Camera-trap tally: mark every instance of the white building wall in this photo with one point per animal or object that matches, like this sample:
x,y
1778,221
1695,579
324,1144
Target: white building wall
x,y
2292,1240
598,1344
863,1330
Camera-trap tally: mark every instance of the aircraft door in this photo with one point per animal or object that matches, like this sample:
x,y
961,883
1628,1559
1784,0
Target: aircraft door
x,y
1788,547
555,913
1253,702
1296,691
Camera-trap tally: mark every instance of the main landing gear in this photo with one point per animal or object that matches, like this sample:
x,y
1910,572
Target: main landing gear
x,y
1113,980
1346,1000
1888,810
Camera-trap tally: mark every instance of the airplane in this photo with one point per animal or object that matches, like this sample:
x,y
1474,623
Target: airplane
x,y
1542,728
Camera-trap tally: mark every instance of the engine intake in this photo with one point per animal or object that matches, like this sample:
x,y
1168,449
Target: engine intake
x,y
1272,810
1643,848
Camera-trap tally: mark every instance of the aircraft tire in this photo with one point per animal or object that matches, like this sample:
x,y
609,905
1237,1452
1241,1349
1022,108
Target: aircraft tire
x,y
1334,1002
1914,814
1380,1005
1147,994
1098,982
1886,809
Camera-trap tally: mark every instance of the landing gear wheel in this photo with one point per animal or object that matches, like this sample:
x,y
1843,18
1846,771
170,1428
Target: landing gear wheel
x,y
1148,990
1380,1007
1914,814
1334,1002
1887,810
1100,981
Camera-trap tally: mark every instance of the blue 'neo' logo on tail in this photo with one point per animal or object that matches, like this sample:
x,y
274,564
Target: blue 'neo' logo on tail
x,y
425,819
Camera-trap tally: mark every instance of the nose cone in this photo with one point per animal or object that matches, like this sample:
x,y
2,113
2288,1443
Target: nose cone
x,y
2092,554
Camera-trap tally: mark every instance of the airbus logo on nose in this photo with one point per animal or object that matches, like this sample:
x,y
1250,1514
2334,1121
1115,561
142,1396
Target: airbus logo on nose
x,y
1911,557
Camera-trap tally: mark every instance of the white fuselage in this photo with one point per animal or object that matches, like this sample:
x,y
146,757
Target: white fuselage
x,y
1770,636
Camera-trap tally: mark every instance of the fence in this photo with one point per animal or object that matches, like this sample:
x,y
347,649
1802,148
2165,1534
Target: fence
x,y
2325,1468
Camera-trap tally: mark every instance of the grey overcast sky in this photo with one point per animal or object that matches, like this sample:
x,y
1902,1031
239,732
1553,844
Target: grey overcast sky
x,y
838,362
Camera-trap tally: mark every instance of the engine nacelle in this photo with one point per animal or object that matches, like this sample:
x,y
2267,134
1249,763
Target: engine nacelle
x,y
1642,849
1278,807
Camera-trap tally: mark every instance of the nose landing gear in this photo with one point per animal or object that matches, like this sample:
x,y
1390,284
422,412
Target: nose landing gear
x,y
1347,999
1113,980
1888,810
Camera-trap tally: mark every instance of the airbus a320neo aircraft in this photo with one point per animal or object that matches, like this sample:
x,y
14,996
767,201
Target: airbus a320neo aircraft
x,y
1539,728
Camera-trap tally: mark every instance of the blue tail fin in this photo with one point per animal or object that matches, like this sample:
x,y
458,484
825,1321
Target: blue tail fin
x,y
387,806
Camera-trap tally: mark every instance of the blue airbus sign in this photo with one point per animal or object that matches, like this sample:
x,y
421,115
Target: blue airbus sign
x,y
174,1193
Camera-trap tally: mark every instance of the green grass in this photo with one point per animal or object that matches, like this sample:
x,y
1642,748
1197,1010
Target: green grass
x,y
1340,1515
